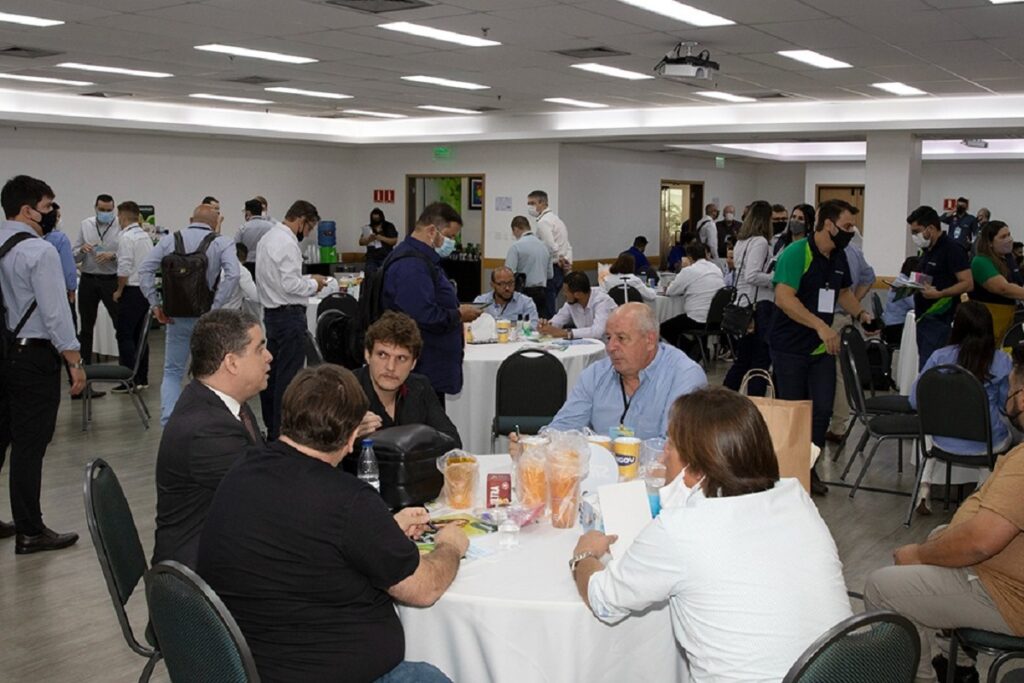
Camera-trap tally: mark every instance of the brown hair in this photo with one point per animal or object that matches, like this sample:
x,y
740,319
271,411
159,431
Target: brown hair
x,y
396,329
625,264
757,222
985,248
322,406
722,435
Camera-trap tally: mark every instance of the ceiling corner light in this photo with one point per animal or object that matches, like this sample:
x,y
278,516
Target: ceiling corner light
x,y
28,20
309,93
375,114
446,82
1004,2
680,12
814,59
583,104
612,71
725,96
901,89
448,110
43,79
438,34
229,98
114,70
255,54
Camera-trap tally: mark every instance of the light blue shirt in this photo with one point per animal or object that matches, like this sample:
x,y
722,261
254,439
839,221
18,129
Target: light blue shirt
x,y
520,305
895,311
597,400
531,257
250,234
221,254
997,389
62,243
861,272
31,271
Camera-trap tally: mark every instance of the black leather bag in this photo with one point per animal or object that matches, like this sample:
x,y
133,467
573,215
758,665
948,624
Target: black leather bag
x,y
738,316
407,457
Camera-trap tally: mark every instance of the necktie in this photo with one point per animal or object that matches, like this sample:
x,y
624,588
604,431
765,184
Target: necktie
x,y
250,426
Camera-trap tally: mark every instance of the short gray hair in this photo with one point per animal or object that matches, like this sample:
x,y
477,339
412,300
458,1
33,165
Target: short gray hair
x,y
641,315
218,333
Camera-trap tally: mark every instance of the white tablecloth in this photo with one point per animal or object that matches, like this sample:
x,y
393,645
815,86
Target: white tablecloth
x,y
104,338
666,307
472,410
906,363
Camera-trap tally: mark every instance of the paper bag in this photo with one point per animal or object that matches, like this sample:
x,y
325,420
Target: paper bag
x,y
789,423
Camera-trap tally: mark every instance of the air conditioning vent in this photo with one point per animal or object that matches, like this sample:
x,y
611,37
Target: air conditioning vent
x,y
27,52
591,53
378,6
106,94
255,80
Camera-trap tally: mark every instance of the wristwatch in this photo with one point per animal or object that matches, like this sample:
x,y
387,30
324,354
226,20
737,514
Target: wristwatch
x,y
576,559
79,365
568,334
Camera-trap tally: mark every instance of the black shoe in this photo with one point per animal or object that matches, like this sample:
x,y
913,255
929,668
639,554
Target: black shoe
x,y
47,540
818,487
964,674
93,394
7,529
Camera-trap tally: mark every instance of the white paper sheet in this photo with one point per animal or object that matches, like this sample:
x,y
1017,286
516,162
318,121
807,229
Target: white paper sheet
x,y
625,511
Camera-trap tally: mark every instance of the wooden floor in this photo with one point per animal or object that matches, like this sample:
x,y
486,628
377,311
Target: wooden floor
x,y
56,619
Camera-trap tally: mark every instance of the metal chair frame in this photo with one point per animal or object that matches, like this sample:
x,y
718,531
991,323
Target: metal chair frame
x,y
128,383
500,380
960,637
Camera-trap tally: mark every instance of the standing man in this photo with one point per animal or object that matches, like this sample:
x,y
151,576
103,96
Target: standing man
x,y
963,227
252,231
379,237
553,233
132,251
530,257
707,232
945,261
219,252
96,254
640,262
727,227
503,301
284,293
414,284
39,320
811,278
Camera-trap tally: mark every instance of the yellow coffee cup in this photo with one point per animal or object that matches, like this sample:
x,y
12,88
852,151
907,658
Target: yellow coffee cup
x,y
601,440
627,456
504,326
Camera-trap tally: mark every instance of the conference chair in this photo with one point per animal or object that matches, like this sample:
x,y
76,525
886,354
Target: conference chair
x,y
529,390
1005,648
118,549
112,373
882,647
1014,335
625,294
339,340
713,325
313,357
952,403
199,638
339,301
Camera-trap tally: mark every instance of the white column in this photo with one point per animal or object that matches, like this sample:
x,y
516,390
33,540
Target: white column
x,y
892,189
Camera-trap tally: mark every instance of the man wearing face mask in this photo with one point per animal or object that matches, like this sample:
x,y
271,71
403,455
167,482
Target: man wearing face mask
x,y
813,277
553,233
379,237
728,227
963,227
947,264
414,284
96,254
780,221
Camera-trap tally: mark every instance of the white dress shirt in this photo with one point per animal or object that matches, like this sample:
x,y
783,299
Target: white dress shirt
x,y
707,232
614,280
132,249
279,278
553,233
751,581
103,239
697,284
246,297
233,406
589,320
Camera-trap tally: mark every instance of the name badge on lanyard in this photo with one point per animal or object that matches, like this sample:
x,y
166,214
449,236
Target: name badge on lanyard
x,y
826,300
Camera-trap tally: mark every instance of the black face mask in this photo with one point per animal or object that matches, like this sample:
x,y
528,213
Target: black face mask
x,y
376,221
960,209
842,238
48,222
779,226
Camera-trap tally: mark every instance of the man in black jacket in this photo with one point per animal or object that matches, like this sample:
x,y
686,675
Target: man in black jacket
x,y
396,395
210,428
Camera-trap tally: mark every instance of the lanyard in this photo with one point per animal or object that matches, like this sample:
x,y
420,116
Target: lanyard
x,y
103,235
626,402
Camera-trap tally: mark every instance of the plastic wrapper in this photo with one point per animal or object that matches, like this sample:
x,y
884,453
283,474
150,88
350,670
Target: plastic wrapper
x,y
567,459
460,470
531,475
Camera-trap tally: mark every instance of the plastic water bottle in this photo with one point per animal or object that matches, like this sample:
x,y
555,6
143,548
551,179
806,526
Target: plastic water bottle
x,y
368,470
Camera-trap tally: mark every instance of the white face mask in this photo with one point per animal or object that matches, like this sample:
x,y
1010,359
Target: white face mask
x,y
729,216
677,494
919,240
533,211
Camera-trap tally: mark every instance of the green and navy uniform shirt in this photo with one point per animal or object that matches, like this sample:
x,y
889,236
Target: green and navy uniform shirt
x,y
942,261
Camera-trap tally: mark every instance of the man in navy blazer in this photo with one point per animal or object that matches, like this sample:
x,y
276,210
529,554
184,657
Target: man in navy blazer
x,y
210,428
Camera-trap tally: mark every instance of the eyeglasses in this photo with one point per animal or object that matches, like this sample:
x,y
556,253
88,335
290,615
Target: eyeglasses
x,y
505,284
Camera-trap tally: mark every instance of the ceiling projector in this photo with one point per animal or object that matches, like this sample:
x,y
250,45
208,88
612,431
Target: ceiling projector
x,y
676,66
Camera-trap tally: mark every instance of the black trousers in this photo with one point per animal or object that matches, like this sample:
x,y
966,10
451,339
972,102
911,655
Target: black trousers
x,y
799,377
673,329
92,289
752,352
132,314
286,341
29,398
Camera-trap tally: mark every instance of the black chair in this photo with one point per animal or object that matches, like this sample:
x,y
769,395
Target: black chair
x,y
313,357
199,638
624,294
118,549
880,647
952,403
1014,335
109,373
713,324
1005,648
339,301
529,390
339,339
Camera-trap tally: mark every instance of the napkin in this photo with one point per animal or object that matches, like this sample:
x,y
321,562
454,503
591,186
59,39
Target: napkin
x,y
483,328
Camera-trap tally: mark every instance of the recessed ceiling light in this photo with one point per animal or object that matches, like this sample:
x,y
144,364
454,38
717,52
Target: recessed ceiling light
x,y
728,97
575,103
438,34
114,70
615,72
27,20
446,82
309,93
43,79
1004,2
901,89
376,114
814,59
680,12
447,110
228,98
255,54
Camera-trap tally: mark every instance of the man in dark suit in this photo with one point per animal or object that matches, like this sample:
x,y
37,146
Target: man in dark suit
x,y
210,428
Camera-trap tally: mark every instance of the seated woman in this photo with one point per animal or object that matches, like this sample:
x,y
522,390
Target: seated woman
x,y
997,277
750,572
398,396
621,275
971,346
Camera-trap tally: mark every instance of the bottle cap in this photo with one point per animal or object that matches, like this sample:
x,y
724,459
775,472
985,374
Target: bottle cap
x,y
367,442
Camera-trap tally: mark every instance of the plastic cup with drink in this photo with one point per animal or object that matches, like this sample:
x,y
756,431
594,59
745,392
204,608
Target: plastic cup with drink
x,y
460,471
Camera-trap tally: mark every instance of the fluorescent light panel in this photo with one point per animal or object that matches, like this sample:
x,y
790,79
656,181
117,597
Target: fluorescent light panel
x,y
575,103
814,59
447,110
310,93
228,98
612,71
114,70
728,97
375,114
680,12
28,20
1004,2
43,79
446,82
897,88
438,34
255,54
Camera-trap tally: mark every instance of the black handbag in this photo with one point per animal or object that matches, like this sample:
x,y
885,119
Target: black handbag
x,y
738,316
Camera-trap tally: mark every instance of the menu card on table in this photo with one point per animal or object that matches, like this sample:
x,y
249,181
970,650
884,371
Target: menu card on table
x,y
625,511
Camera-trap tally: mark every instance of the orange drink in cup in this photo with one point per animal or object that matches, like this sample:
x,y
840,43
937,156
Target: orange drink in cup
x,y
531,482
602,440
564,474
460,474
627,456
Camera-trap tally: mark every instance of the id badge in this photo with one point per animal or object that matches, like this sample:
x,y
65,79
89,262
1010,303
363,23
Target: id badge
x,y
826,301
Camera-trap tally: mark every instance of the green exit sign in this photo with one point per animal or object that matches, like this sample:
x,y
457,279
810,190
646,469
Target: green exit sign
x,y
444,152
719,162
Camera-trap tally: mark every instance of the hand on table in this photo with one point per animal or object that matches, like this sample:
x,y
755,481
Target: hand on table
x,y
468,313
412,521
908,554
370,423
595,542
552,331
454,536
515,449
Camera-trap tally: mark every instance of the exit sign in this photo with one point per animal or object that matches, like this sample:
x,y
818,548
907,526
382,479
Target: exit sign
x,y
384,196
443,152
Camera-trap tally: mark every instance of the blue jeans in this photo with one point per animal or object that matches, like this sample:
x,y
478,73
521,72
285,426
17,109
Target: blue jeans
x,y
799,377
286,341
932,334
554,287
414,672
176,350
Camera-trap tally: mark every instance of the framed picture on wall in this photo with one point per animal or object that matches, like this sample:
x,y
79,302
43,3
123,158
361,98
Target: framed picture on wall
x,y
476,193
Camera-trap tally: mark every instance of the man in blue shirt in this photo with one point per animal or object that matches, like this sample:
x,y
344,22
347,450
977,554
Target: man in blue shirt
x,y
963,227
503,301
531,257
637,252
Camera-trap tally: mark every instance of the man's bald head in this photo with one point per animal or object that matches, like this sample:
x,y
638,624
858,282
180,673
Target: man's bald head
x,y
637,317
503,283
204,213
632,338
500,272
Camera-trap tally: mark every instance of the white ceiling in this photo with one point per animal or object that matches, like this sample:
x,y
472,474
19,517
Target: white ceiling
x,y
948,48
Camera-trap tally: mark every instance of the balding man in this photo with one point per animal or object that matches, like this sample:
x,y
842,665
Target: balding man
x,y
503,302
531,257
200,237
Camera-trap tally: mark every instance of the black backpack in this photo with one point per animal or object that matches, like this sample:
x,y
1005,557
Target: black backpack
x,y
371,294
186,293
7,337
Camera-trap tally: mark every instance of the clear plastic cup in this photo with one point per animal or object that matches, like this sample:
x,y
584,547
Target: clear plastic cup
x,y
460,471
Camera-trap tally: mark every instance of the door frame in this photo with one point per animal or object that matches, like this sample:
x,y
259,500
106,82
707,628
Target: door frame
x,y
696,208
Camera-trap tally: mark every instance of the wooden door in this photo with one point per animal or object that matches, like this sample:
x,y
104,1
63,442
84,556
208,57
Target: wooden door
x,y
854,194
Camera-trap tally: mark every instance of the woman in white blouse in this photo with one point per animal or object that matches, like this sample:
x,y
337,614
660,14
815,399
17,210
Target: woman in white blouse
x,y
621,275
750,572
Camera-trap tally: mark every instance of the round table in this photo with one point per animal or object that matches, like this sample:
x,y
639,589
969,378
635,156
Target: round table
x,y
666,307
472,409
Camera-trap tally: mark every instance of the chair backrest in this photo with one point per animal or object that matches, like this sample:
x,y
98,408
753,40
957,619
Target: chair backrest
x,y
1014,335
624,294
313,357
198,637
116,539
851,378
952,402
339,302
871,646
146,323
530,382
876,306
716,310
339,340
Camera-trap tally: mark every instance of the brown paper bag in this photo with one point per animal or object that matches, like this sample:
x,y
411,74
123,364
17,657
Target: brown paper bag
x,y
789,423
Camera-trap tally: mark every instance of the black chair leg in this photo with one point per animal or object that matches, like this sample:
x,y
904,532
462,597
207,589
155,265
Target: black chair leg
x,y
842,442
853,456
899,463
864,469
949,478
998,662
147,673
953,646
917,489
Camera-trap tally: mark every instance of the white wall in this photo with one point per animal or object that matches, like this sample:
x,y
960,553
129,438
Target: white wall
x,y
778,183
992,184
